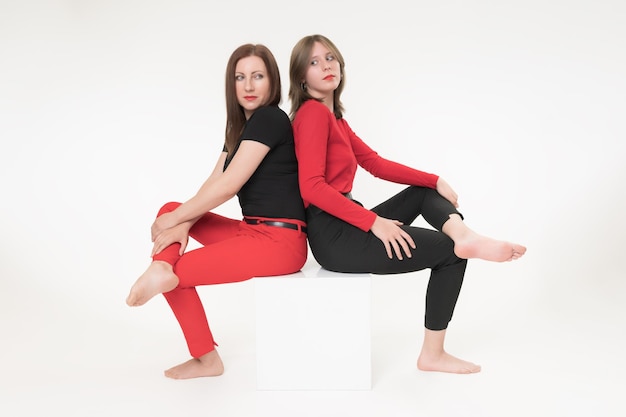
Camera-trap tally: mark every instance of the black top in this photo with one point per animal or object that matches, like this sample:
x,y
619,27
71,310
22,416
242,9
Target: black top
x,y
272,190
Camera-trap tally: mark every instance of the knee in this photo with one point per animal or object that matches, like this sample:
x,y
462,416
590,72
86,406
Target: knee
x,y
168,207
454,263
449,258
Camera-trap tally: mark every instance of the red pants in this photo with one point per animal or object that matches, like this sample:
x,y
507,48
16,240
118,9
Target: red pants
x,y
232,251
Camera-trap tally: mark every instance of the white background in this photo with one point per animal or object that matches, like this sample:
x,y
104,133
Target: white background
x,y
108,109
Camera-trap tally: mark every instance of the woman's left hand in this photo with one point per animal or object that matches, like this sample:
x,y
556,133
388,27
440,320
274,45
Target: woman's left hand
x,y
447,192
163,222
176,234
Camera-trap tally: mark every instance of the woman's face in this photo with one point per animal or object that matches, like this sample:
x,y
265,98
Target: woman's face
x,y
323,74
252,84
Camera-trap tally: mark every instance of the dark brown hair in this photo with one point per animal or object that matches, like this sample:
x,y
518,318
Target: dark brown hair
x,y
298,65
235,117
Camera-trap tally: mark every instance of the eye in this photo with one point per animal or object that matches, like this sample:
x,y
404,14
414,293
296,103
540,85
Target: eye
x,y
330,58
258,76
239,77
314,62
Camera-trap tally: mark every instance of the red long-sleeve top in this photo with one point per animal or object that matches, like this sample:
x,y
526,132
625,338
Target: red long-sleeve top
x,y
329,152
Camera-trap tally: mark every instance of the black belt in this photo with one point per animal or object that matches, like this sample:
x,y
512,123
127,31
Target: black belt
x,y
293,226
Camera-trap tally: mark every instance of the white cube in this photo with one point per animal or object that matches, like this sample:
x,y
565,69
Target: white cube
x,y
313,331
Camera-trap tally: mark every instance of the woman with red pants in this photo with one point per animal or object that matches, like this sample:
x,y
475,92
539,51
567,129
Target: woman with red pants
x,y
258,164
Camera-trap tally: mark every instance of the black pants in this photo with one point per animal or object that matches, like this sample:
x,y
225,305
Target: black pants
x,y
339,246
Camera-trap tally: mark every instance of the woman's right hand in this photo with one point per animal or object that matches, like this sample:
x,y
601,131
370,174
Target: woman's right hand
x,y
393,237
444,189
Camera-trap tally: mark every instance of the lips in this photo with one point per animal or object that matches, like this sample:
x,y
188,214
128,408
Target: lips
x,y
250,98
329,77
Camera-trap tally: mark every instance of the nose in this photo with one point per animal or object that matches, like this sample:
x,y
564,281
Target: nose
x,y
248,84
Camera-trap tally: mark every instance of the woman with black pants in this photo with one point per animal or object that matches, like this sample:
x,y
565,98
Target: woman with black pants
x,y
346,237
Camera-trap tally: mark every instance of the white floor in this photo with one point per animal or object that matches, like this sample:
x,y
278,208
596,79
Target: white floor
x,y
546,350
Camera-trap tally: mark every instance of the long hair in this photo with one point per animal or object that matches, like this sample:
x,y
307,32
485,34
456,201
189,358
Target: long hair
x,y
298,66
235,117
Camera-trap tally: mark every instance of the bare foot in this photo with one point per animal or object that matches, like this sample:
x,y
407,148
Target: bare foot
x,y
469,244
158,278
474,245
209,364
444,362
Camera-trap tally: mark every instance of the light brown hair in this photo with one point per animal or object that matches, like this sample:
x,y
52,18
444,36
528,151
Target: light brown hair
x,y
298,65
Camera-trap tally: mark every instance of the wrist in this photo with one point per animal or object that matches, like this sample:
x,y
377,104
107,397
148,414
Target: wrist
x,y
175,218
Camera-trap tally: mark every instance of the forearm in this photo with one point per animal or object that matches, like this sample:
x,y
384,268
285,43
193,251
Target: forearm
x,y
206,199
398,173
389,170
187,225
325,197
